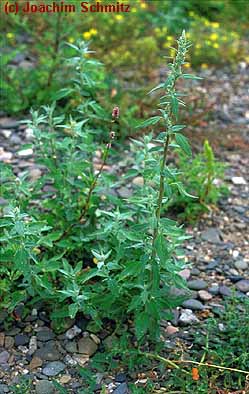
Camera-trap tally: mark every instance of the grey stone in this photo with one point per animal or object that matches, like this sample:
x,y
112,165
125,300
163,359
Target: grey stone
x,y
54,368
187,318
194,305
175,292
241,265
243,285
121,389
44,387
3,389
71,346
124,192
32,345
9,342
225,291
8,123
195,272
87,346
197,284
45,335
120,377
73,332
211,235
48,352
15,140
4,357
213,289
21,339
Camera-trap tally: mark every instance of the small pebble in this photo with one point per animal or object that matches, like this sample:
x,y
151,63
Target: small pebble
x,y
204,295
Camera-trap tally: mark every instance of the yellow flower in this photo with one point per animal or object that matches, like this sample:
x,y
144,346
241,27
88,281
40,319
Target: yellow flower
x,y
87,35
216,45
10,35
187,65
170,38
198,46
191,13
213,37
119,17
215,25
157,30
207,23
204,66
133,9
143,5
95,260
187,35
93,32
172,53
71,40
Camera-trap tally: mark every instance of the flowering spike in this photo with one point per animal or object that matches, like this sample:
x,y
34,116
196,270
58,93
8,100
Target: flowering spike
x,y
115,112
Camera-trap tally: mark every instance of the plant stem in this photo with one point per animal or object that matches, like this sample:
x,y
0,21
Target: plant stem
x,y
85,207
174,363
211,366
154,277
164,360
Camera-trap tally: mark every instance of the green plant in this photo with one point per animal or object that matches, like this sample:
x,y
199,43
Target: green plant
x,y
80,252
203,177
22,387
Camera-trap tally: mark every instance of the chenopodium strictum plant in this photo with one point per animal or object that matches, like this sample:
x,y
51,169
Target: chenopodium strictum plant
x,y
162,254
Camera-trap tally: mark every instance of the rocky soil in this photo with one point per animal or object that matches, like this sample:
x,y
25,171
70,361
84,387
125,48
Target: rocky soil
x,y
217,256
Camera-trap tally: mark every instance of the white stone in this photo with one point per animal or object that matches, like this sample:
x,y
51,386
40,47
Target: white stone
x,y
25,152
29,134
238,180
6,133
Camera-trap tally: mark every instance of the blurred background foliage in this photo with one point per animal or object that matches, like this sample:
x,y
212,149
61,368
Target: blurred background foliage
x,y
130,45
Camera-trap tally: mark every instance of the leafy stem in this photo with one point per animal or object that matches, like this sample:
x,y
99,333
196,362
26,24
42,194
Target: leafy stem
x,y
169,103
93,185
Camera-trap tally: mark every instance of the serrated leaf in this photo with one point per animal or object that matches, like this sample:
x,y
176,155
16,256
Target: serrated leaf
x,y
132,268
141,324
182,141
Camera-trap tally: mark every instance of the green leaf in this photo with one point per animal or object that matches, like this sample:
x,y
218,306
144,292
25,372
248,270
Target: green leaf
x,y
149,122
133,268
160,86
73,309
141,324
190,76
161,248
177,127
182,141
183,192
62,93
175,105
